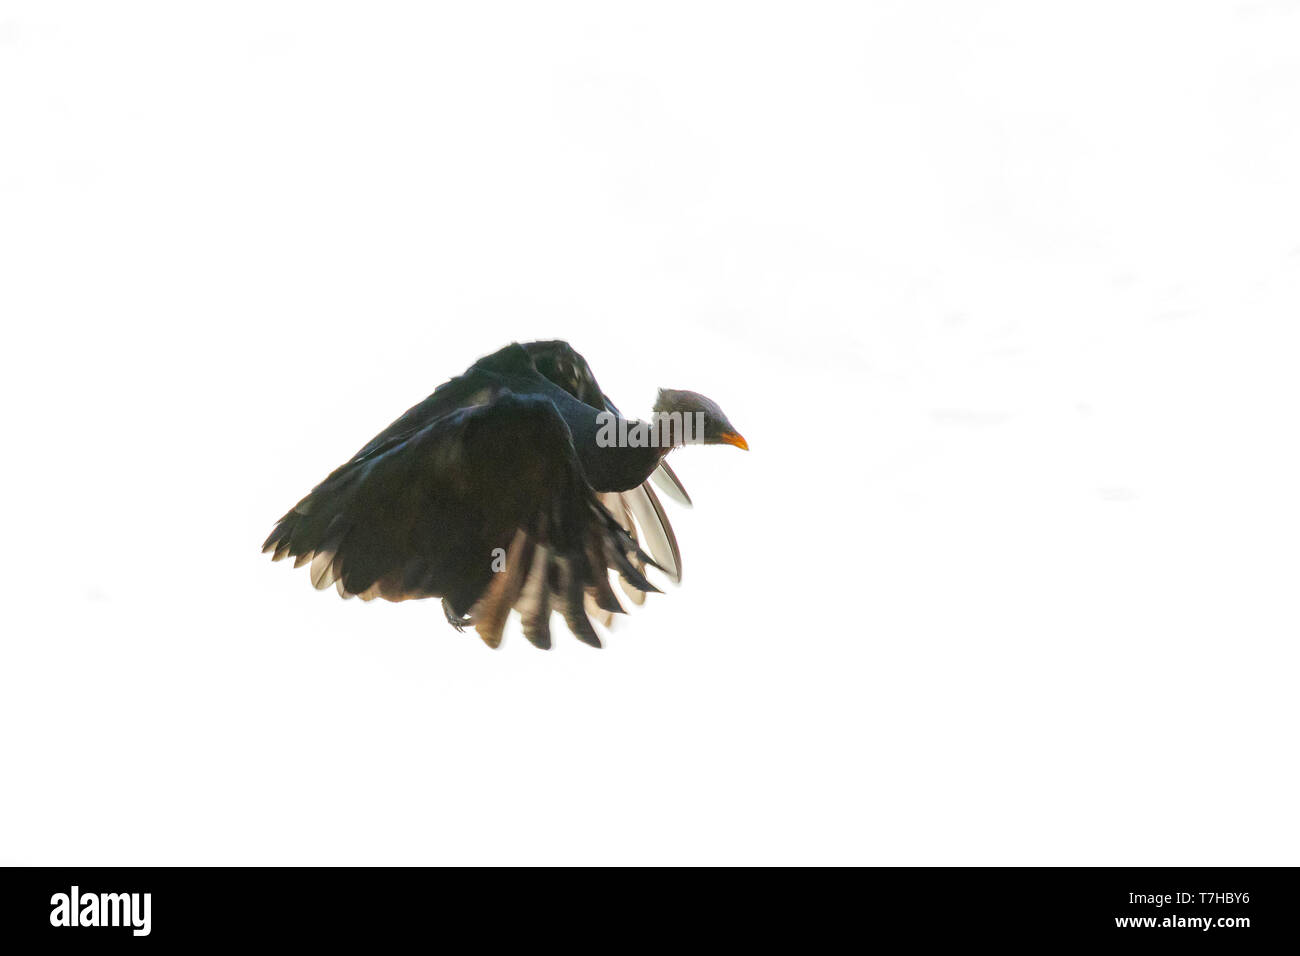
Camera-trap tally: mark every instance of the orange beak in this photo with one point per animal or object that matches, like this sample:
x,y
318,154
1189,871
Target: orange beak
x,y
731,438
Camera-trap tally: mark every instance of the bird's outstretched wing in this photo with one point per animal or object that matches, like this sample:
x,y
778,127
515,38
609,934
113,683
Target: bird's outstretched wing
x,y
563,365
431,506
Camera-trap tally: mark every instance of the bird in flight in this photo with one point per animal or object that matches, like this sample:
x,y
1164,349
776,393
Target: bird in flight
x,y
517,485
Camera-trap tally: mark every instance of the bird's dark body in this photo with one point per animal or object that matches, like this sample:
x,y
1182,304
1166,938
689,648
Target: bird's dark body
x,y
512,370
502,460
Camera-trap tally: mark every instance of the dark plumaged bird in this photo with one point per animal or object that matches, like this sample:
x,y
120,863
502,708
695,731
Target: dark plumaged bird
x,y
515,485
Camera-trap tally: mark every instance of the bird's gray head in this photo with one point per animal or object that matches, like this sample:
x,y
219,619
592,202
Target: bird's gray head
x,y
702,421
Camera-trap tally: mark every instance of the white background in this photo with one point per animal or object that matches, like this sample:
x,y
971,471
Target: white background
x,y
1002,295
